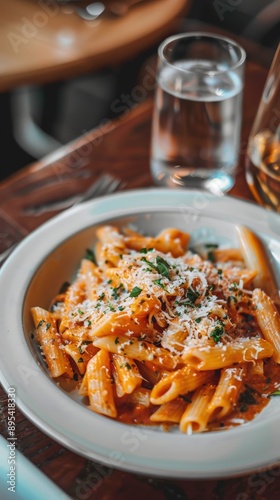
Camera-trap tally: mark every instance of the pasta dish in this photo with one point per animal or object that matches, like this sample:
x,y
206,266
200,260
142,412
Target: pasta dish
x,y
154,333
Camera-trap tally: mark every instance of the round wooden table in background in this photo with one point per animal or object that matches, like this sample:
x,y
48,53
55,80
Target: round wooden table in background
x,y
42,41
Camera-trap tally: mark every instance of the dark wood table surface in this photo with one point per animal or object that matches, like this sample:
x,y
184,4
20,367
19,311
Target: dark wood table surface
x,y
120,147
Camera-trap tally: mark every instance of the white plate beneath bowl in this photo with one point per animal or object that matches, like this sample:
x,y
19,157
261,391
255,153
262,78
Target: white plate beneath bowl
x,y
49,256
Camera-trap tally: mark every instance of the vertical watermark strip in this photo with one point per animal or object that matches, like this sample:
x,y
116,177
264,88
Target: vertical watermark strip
x,y
11,444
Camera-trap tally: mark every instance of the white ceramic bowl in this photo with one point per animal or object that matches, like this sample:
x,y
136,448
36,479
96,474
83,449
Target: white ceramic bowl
x,y
47,258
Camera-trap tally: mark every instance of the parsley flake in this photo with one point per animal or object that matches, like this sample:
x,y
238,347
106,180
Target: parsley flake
x,y
275,393
159,283
217,332
135,291
90,255
145,250
163,266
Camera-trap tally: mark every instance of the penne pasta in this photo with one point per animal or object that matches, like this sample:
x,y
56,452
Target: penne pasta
x,y
226,392
142,351
196,415
50,341
99,384
139,397
126,375
169,240
256,259
222,356
227,254
117,324
80,355
151,332
170,412
269,320
178,383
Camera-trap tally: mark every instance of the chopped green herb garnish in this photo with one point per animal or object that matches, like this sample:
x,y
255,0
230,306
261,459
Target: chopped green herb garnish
x,y
159,283
145,250
198,320
117,340
80,360
211,245
243,408
80,311
90,255
163,266
231,299
247,397
135,291
149,263
121,308
275,393
48,325
192,295
211,256
217,333
40,323
116,291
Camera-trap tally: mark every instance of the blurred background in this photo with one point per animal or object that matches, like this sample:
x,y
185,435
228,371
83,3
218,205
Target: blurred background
x,y
36,120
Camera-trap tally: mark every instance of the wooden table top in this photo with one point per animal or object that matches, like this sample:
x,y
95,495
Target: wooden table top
x,y
42,41
120,147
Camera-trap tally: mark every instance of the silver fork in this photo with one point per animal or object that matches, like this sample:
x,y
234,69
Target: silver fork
x,y
105,184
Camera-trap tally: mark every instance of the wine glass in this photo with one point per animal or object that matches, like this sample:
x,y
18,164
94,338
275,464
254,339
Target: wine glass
x,y
263,151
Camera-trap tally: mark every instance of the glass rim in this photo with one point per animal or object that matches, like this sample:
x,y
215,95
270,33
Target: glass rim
x,y
202,34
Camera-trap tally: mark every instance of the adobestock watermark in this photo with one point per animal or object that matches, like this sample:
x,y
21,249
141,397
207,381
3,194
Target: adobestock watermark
x,y
11,444
93,480
259,481
130,441
30,27
47,9
222,7
126,101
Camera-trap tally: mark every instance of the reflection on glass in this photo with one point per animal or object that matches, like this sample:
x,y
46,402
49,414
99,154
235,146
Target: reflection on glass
x,y
263,153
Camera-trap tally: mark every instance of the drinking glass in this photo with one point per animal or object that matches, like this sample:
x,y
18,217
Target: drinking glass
x,y
263,151
197,113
